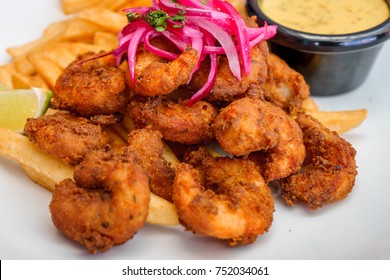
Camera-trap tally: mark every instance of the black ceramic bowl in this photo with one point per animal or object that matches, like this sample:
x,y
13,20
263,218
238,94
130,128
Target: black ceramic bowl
x,y
331,64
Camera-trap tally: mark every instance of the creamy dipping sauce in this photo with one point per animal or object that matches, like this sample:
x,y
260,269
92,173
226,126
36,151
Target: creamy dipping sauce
x,y
326,16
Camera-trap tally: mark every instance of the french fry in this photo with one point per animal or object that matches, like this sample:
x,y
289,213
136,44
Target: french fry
x,y
80,30
59,55
77,48
47,171
21,80
116,142
6,72
73,6
23,65
138,3
106,40
106,19
128,122
46,68
114,5
309,105
161,212
340,121
120,130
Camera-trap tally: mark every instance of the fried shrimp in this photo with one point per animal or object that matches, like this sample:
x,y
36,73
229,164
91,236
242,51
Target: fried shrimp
x,y
91,86
264,131
66,136
225,198
287,156
329,171
247,125
285,87
155,75
227,87
147,145
176,121
105,206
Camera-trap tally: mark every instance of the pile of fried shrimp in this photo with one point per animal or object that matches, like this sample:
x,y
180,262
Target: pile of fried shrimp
x,y
258,122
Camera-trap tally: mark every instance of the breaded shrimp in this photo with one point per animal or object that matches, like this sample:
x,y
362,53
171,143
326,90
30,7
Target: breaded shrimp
x,y
227,87
147,145
225,198
287,156
66,136
155,75
329,171
105,206
175,120
285,87
264,131
247,125
91,86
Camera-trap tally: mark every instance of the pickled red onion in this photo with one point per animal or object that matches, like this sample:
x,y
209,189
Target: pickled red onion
x,y
211,28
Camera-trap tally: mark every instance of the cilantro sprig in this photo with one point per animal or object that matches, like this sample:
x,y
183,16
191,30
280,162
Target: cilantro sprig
x,y
158,19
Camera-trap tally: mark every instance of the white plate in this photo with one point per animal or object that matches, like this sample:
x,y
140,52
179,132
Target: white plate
x,y
355,228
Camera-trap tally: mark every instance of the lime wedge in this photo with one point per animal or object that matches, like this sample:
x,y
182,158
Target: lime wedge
x,y
16,105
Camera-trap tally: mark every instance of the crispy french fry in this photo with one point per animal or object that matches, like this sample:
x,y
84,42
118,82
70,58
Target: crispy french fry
x,y
23,65
138,3
309,105
46,68
116,142
128,122
120,130
106,40
161,212
73,6
113,5
170,156
47,171
340,121
6,72
77,48
59,55
108,20
79,29
21,80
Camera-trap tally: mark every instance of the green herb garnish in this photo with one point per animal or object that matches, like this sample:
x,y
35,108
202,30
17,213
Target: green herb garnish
x,y
157,19
131,16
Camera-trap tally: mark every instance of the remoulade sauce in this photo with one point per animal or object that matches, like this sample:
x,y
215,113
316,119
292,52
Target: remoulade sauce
x,y
326,17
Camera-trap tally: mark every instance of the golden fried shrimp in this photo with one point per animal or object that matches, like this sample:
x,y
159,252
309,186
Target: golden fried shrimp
x,y
225,198
227,87
285,87
66,136
91,86
247,125
155,75
105,206
329,171
287,156
147,145
176,121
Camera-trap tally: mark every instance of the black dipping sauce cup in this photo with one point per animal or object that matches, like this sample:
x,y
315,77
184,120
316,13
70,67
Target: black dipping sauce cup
x,y
330,64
